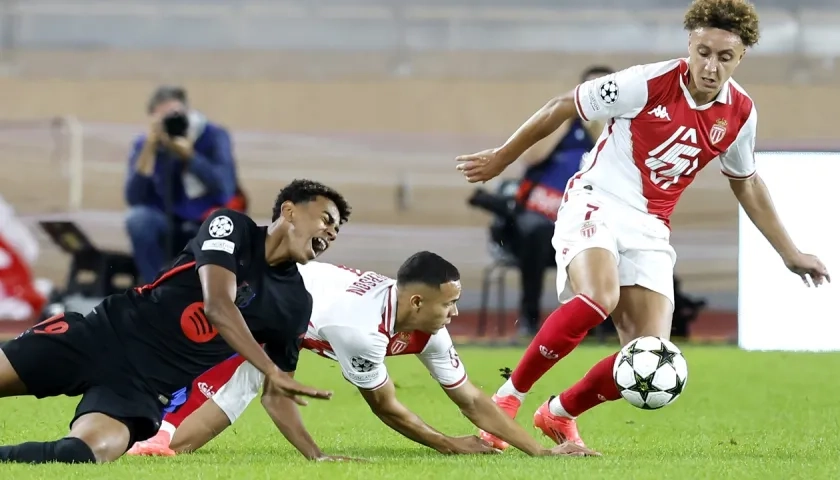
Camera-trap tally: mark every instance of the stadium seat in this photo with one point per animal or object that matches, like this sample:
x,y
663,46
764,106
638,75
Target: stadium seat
x,y
93,273
502,261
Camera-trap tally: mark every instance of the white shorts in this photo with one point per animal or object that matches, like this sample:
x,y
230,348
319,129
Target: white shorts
x,y
243,386
640,242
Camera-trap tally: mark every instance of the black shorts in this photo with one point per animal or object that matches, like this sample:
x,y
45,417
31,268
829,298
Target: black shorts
x,y
71,354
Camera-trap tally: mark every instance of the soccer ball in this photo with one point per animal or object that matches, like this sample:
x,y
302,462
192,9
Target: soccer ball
x,y
650,372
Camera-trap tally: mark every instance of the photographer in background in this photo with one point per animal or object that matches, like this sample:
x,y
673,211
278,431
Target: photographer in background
x,y
179,172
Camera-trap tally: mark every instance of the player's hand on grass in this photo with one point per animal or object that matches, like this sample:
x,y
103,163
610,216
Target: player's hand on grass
x,y
481,166
280,383
470,445
570,449
805,266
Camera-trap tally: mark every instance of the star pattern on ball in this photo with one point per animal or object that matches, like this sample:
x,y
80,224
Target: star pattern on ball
x,y
627,357
666,356
643,385
678,388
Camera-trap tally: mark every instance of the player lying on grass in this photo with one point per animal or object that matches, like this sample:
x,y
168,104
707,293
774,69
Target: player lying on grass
x,y
664,123
358,319
234,286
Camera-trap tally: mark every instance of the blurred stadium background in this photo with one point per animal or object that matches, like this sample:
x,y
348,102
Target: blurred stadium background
x,y
375,97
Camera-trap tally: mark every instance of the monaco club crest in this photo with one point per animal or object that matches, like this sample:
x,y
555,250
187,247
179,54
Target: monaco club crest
x,y
718,131
400,343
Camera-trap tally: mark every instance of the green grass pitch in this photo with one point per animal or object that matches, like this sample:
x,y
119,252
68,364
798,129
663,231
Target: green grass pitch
x,y
742,416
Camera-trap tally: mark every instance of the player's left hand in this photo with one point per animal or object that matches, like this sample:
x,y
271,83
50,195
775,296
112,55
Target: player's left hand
x,y
572,450
481,166
806,265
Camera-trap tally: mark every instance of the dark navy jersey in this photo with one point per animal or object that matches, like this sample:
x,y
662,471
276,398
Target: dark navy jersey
x,y
162,326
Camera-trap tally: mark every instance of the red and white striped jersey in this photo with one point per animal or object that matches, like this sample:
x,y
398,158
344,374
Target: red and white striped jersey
x,y
656,137
353,314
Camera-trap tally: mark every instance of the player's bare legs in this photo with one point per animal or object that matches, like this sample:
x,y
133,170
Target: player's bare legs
x,y
593,275
640,312
198,429
106,437
10,383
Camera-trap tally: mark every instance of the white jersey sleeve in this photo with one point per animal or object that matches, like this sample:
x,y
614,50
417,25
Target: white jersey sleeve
x,y
738,161
620,94
442,361
361,355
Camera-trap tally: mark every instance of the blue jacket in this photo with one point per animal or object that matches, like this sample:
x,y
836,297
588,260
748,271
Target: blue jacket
x,y
212,165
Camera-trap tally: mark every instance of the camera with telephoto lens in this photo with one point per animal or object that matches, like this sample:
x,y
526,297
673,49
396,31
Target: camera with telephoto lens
x,y
175,124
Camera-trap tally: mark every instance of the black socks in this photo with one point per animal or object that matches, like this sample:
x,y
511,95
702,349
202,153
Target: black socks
x,y
66,450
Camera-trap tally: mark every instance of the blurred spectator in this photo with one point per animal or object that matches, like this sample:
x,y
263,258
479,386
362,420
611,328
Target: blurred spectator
x,y
179,172
549,166
21,296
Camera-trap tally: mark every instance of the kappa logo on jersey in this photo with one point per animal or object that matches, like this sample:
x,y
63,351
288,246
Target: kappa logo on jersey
x,y
674,158
609,92
400,343
718,131
361,364
660,112
220,227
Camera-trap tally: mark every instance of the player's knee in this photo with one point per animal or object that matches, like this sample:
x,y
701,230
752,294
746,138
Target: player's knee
x,y
107,449
605,296
74,450
594,273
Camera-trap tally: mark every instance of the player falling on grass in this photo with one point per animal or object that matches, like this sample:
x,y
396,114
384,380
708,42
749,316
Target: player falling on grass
x,y
234,285
665,121
358,319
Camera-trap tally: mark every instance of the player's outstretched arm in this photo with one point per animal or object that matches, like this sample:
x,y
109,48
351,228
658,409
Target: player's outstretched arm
x,y
284,412
286,416
483,166
754,197
486,415
384,404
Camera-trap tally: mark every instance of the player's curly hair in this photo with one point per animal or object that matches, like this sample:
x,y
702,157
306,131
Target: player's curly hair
x,y
302,191
734,16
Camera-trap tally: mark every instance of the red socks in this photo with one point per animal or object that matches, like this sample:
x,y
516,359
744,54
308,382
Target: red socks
x,y
562,331
595,388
